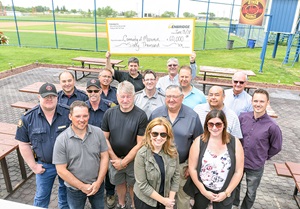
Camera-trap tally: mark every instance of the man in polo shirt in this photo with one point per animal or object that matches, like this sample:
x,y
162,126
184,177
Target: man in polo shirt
x,y
97,107
124,126
186,127
172,77
149,98
262,139
237,98
215,100
133,75
81,159
108,92
37,131
192,95
69,92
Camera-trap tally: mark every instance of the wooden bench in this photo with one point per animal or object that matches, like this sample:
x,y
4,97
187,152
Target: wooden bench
x,y
83,70
24,105
297,83
103,64
7,145
214,83
294,169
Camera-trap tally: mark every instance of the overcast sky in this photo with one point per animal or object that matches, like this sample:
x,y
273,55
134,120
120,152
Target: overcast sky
x,y
150,6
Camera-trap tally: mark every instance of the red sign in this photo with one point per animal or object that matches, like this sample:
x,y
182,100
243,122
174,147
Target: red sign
x,y
252,12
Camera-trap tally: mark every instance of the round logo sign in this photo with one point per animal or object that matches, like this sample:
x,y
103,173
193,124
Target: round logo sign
x,y
252,10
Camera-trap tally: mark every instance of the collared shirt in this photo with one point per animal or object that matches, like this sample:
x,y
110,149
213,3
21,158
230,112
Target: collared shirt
x,y
137,81
96,116
165,81
82,156
186,127
233,123
238,103
34,128
149,104
111,95
77,95
194,98
262,139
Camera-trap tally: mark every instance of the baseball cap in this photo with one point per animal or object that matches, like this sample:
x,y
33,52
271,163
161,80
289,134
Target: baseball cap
x,y
47,89
93,82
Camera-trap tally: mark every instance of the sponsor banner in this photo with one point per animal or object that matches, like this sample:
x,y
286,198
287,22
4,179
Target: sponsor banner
x,y
252,12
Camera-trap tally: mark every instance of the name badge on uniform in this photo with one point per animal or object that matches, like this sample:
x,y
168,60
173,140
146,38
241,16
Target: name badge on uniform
x,y
61,127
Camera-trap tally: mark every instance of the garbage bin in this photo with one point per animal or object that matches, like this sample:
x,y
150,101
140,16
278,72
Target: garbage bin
x,y
230,44
251,43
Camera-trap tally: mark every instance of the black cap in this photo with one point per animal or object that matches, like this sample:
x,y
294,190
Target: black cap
x,y
47,89
93,82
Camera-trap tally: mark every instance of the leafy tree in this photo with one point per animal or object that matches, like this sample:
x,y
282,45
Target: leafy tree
x,y
187,14
57,9
106,12
168,14
130,13
73,10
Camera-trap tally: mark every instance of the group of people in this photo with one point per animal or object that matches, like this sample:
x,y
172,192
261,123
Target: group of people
x,y
160,140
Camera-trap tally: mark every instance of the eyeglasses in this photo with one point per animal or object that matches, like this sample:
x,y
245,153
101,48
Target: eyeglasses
x,y
211,125
162,135
91,91
172,65
241,82
173,96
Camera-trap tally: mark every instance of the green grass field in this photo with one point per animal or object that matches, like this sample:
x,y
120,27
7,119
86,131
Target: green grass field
x,y
242,58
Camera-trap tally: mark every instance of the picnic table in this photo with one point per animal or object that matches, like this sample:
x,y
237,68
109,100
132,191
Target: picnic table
x,y
83,60
210,71
290,170
92,61
34,87
7,145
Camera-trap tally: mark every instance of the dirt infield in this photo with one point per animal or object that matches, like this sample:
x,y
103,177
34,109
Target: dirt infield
x,y
82,34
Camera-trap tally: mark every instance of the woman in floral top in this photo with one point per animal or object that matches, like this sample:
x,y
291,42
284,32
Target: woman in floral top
x,y
216,163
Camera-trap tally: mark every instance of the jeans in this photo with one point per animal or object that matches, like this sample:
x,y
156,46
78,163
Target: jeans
x,y
253,178
77,199
109,187
44,184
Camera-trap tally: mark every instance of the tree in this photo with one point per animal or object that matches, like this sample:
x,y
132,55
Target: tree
x,y
106,12
73,10
187,14
57,9
130,13
168,14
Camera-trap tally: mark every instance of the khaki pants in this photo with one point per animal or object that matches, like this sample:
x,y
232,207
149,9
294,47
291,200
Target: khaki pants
x,y
182,199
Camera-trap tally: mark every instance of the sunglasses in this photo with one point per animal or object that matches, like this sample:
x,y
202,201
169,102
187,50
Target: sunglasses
x,y
241,82
172,65
211,125
162,135
91,91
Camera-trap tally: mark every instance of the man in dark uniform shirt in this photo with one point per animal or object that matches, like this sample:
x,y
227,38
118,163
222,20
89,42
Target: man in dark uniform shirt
x,y
37,131
69,92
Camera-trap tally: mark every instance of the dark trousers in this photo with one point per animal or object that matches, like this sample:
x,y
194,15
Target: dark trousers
x,y
109,187
201,202
253,178
139,204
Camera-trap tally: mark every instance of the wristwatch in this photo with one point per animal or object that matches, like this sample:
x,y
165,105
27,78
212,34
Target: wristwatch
x,y
228,194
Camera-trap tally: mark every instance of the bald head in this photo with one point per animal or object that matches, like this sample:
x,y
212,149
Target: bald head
x,y
216,97
239,82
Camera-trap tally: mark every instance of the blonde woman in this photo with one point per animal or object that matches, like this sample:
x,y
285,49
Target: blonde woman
x,y
156,168
216,164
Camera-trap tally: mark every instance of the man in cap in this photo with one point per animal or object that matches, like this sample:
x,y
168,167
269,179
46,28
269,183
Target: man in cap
x,y
69,92
37,132
97,106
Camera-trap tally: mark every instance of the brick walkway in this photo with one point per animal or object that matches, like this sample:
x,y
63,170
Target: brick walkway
x,y
274,192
